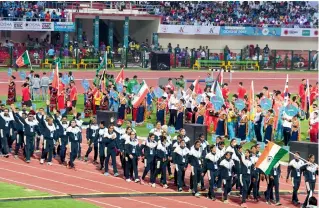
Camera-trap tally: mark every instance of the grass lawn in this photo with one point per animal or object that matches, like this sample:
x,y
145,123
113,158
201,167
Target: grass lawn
x,y
9,191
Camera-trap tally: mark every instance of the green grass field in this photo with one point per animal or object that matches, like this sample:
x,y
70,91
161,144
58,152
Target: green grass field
x,y
10,191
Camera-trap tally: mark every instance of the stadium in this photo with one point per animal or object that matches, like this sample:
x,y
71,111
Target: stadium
x,y
158,104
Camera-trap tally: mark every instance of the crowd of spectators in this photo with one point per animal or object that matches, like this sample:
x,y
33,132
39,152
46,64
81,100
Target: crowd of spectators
x,y
30,11
235,13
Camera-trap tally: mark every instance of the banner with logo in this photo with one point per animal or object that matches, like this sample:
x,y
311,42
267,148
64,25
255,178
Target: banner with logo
x,y
111,25
64,26
96,32
189,29
249,31
299,32
26,25
126,31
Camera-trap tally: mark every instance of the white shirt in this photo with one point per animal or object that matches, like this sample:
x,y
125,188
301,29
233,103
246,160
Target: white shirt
x,y
285,122
171,103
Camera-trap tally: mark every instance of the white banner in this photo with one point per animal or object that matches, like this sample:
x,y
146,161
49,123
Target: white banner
x,y
26,25
189,29
299,32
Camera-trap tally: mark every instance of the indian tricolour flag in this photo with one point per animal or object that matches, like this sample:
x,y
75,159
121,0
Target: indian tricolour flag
x,y
270,157
139,97
23,60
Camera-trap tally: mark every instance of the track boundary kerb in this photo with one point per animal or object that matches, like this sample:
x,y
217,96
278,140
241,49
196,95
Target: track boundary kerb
x,y
123,194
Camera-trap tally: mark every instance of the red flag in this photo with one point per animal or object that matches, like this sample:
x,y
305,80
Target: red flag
x,y
120,77
55,81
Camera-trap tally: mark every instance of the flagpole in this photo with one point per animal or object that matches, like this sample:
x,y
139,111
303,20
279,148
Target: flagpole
x,y
105,56
29,59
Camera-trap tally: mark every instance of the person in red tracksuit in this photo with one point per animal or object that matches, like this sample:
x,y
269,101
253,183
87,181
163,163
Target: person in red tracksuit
x,y
73,95
241,92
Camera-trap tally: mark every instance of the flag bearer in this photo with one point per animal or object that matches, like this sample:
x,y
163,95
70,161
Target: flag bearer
x,y
211,168
273,182
74,135
295,173
180,158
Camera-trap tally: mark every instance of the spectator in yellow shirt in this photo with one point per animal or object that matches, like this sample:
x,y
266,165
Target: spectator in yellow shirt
x,y
97,99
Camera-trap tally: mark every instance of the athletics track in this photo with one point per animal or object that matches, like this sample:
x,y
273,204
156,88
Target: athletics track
x,y
88,184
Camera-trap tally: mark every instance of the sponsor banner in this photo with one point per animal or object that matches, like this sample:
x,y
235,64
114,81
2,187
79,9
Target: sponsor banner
x,y
26,25
249,31
64,26
189,29
299,32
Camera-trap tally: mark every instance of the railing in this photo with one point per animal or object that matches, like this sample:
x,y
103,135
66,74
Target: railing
x,y
33,19
283,25
274,60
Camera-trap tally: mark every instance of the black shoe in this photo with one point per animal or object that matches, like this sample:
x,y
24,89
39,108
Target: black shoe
x,y
101,168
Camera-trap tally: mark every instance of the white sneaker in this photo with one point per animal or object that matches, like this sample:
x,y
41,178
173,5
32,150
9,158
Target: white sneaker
x,y
50,163
128,180
41,161
137,180
165,186
153,185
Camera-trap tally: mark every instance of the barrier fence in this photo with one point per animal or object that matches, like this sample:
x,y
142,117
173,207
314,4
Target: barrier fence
x,y
240,59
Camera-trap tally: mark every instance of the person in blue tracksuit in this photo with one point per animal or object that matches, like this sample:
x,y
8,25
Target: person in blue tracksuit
x,y
63,141
245,174
180,159
162,154
79,124
30,127
310,170
211,168
74,135
273,182
50,135
110,150
195,160
254,174
92,139
149,149
226,170
295,173
121,146
100,139
132,154
6,124
19,134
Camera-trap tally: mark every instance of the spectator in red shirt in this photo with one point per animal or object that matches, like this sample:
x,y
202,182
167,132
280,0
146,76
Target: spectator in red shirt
x,y
241,92
73,95
225,91
302,88
26,96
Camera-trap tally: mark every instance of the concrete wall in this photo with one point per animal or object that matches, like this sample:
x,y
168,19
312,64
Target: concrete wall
x,y
238,42
21,36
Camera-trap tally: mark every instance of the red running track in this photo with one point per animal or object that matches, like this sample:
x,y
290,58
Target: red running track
x,y
274,80
87,179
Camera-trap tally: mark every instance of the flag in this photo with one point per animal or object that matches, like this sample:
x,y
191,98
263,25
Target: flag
x,y
221,77
216,90
286,97
139,97
55,81
252,101
307,100
120,77
102,81
194,87
23,60
270,157
102,64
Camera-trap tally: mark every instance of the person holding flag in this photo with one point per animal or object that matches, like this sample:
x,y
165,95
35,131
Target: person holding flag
x,y
24,59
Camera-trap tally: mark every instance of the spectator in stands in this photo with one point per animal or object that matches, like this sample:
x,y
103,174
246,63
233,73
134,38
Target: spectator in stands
x,y
36,57
257,50
203,55
47,17
177,49
51,53
170,48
